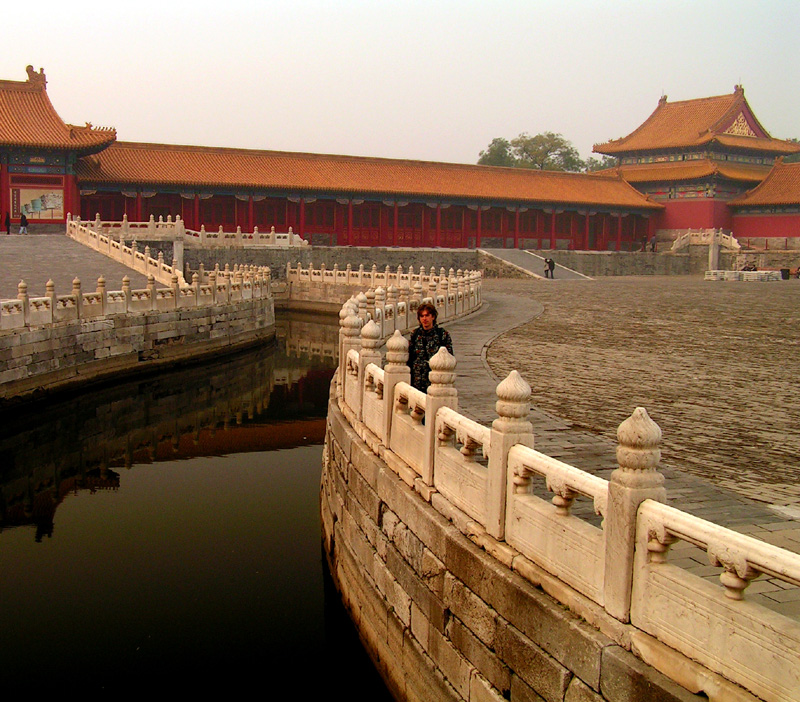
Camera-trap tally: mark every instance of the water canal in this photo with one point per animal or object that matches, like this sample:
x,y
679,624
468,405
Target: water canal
x,y
163,534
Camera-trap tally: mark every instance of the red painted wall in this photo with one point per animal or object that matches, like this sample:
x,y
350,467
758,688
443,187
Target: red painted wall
x,y
766,225
693,214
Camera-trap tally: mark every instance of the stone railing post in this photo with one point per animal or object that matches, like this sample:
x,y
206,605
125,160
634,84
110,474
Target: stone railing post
x,y
351,339
349,309
635,481
151,289
212,281
176,290
22,296
441,393
511,427
361,299
101,291
177,253
370,338
126,289
395,371
78,295
50,291
380,304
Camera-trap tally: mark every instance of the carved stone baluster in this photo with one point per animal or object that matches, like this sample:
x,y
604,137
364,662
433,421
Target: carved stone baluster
x,y
635,481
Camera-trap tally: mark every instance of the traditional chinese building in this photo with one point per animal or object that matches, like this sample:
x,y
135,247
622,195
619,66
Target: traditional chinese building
x,y
39,153
680,169
696,156
771,210
50,169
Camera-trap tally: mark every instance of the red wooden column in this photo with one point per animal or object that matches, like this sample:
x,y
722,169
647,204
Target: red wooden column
x,y
603,245
301,225
138,205
478,230
395,227
350,222
5,194
619,232
553,230
438,235
249,213
516,228
196,209
586,232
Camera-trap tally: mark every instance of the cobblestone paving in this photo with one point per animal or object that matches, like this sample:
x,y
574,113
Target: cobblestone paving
x,y
716,365
594,350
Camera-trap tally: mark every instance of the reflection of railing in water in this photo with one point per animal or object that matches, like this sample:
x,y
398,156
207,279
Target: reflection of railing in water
x,y
226,407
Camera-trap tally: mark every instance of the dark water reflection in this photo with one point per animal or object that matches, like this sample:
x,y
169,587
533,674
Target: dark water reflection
x,y
163,535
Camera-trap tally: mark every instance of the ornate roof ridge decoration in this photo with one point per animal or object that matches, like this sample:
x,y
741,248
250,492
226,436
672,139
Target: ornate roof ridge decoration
x,y
726,119
780,187
29,120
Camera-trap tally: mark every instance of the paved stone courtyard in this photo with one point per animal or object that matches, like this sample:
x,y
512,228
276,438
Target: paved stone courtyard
x,y
716,365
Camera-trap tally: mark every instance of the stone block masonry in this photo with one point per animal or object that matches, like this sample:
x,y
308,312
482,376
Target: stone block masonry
x,y
444,619
85,351
470,576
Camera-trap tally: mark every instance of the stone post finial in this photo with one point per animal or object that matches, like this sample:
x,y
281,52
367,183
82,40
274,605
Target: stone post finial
x,y
370,335
442,375
513,397
638,438
397,350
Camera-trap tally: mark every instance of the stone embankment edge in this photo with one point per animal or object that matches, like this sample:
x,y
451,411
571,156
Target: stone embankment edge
x,y
443,619
538,312
128,345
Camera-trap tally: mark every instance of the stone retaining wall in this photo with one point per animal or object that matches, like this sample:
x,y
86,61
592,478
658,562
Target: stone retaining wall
x,y
319,256
444,620
82,351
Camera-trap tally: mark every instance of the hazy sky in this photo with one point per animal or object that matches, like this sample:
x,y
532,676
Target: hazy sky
x,y
432,80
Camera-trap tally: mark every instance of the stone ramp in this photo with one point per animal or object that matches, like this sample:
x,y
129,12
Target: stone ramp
x,y
533,263
37,258
596,454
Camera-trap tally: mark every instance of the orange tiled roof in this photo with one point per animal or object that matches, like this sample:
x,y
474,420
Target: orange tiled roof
x,y
27,118
208,167
780,187
692,170
691,123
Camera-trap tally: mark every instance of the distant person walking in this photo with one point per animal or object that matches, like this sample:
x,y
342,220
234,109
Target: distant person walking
x,y
8,224
551,266
23,224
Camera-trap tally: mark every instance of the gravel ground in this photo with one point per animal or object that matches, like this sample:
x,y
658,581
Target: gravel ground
x,y
716,365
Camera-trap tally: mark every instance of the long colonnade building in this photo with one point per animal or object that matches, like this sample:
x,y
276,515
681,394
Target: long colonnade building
x,y
49,169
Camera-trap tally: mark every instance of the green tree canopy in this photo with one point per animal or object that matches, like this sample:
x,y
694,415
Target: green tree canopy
x,y
546,151
498,153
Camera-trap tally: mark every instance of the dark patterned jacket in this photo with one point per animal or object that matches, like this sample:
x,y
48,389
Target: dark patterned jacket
x,y
422,346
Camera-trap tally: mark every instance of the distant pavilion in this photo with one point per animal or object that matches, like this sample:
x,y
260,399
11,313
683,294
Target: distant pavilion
x,y
697,157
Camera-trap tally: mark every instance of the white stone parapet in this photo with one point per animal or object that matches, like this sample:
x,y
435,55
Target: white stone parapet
x,y
92,235
28,312
517,504
175,230
706,237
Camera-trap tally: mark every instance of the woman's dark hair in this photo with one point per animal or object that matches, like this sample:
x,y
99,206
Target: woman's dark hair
x,y
427,307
